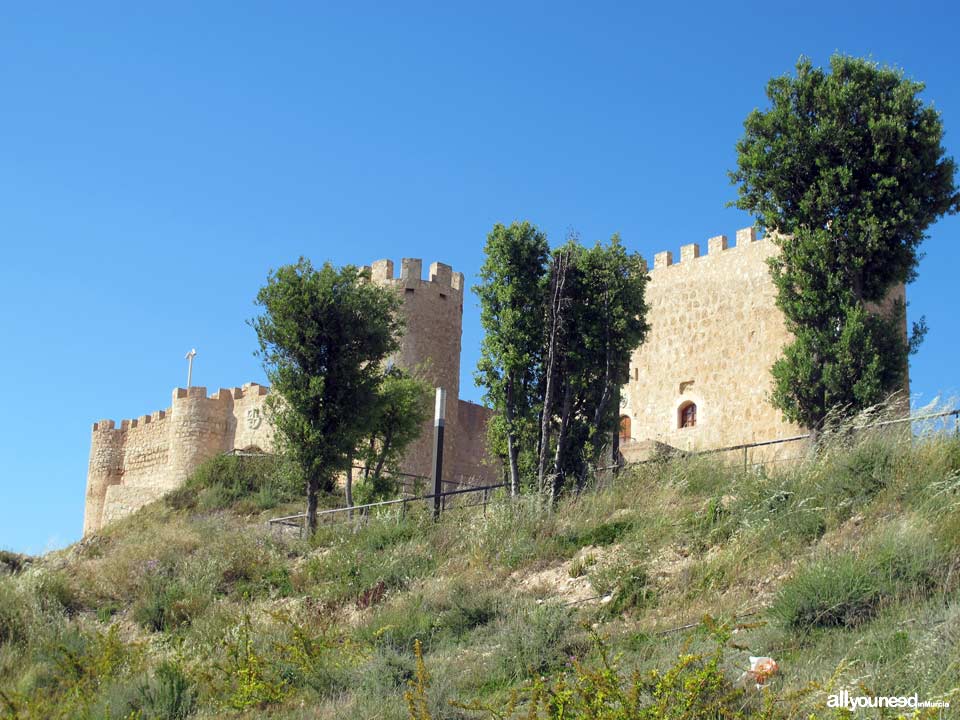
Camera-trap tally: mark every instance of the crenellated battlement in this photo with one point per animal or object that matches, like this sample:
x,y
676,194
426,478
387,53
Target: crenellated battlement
x,y
246,391
440,274
134,461
715,246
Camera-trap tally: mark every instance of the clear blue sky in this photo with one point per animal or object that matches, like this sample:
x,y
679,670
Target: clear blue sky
x,y
157,162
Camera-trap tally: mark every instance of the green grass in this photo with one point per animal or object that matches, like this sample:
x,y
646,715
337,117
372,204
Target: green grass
x,y
848,565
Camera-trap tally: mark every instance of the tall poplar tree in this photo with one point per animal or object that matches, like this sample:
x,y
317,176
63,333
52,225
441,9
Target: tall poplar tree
x,y
560,330
511,294
847,170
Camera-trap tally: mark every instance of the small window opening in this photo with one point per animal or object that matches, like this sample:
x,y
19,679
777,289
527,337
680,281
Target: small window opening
x,y
409,291
687,415
625,427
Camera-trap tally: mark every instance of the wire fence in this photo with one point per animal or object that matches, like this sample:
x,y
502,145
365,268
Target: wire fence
x,y
481,496
464,495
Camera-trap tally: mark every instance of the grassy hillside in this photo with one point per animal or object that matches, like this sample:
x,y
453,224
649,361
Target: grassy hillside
x,y
650,594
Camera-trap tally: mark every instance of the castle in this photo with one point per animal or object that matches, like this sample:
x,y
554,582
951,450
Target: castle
x,y
143,458
700,380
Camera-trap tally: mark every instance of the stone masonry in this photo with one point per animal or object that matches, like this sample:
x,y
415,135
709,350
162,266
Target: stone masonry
x,y
715,331
137,462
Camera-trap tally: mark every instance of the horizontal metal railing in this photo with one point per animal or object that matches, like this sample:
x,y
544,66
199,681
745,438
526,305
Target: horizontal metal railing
x,y
299,520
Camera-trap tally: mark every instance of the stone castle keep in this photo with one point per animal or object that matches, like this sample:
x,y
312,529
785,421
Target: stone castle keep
x,y
714,333
700,380
141,459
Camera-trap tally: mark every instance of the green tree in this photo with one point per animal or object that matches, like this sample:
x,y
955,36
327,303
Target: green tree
x,y
603,320
560,329
847,170
402,408
324,336
511,294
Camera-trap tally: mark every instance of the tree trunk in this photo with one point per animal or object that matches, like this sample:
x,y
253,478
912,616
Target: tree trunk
x,y
558,469
384,450
615,440
556,319
313,486
513,451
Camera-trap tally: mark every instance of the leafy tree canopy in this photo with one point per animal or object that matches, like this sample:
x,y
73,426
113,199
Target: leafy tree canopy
x,y
324,336
848,170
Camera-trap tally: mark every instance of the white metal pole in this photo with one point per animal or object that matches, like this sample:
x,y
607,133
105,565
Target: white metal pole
x,y
190,356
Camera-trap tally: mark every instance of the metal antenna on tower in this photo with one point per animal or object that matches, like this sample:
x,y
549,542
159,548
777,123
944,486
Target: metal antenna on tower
x,y
189,358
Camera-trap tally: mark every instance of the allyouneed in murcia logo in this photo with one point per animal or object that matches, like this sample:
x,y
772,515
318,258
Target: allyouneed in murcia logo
x,y
844,699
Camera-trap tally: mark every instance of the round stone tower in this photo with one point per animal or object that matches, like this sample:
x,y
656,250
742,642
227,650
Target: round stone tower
x,y
198,431
105,469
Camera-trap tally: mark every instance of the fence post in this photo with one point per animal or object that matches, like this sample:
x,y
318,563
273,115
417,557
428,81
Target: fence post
x,y
439,415
744,458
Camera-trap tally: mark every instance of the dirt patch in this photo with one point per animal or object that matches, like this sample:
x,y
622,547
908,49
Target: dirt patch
x,y
568,581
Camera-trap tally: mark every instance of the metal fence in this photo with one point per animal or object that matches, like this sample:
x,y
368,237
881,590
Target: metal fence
x,y
479,496
745,453
465,496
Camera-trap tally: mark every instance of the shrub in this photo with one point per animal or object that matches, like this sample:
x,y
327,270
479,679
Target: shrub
x,y
168,695
849,588
259,481
251,680
448,617
55,592
534,640
694,687
13,615
603,534
168,601
390,553
12,562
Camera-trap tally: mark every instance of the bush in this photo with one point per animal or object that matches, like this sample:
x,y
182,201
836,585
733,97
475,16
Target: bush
x,y
535,640
694,687
431,620
251,680
600,535
386,554
168,695
848,589
258,481
13,615
169,601
12,562
629,585
55,592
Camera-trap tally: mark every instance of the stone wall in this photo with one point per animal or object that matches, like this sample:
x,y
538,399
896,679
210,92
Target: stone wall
x,y
715,332
142,459
432,311
147,457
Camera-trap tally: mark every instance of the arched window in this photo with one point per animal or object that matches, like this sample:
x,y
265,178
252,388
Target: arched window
x,y
687,415
624,427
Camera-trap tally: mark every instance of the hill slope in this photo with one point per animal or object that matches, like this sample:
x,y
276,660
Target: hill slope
x,y
845,570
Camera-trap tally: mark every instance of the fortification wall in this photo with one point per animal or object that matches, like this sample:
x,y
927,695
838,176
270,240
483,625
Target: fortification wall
x,y
142,459
432,311
472,464
715,331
